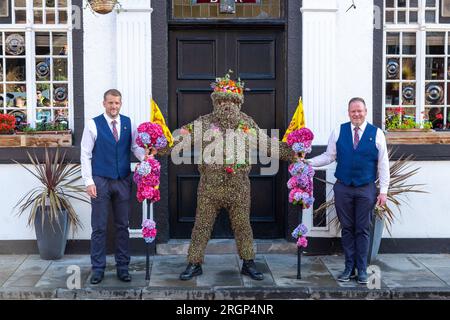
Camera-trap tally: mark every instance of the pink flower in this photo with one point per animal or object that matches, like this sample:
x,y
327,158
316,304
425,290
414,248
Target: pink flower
x,y
302,242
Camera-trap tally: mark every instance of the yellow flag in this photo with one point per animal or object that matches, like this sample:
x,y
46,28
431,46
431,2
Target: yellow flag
x,y
298,120
157,117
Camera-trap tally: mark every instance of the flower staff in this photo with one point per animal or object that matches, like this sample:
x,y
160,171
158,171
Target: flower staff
x,y
147,176
302,242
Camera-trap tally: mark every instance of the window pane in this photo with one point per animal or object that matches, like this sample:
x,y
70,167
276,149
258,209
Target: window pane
x,y
62,3
15,69
389,3
392,43
409,43
430,16
42,40
409,69
413,17
50,3
59,43
43,95
392,94
60,95
60,70
42,69
431,3
1,75
61,117
435,43
37,3
435,116
16,95
409,94
62,17
434,93
15,44
38,17
434,69
401,17
401,3
21,16
392,69
390,16
50,16
43,116
20,3
413,3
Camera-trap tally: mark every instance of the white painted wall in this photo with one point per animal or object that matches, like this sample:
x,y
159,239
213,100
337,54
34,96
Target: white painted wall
x,y
337,62
15,182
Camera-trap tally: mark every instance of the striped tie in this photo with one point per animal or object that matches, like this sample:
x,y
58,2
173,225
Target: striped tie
x,y
115,133
356,138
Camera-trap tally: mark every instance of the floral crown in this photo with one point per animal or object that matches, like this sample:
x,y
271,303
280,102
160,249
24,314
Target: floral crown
x,y
227,86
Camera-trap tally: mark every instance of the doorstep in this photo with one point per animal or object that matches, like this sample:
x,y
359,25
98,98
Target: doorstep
x,y
226,246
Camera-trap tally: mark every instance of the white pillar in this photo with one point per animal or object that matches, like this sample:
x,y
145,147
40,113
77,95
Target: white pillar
x,y
319,67
134,58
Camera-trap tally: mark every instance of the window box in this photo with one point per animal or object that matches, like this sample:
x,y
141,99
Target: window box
x,y
37,139
413,136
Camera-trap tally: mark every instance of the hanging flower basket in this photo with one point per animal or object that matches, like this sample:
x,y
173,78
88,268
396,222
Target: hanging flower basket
x,y
103,6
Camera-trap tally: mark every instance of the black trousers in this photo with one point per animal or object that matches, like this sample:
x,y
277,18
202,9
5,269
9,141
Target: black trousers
x,y
115,193
354,207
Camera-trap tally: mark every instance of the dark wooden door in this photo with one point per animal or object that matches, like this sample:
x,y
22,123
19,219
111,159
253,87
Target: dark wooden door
x,y
197,57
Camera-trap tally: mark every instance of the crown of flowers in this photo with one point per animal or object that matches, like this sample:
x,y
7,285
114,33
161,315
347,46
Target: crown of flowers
x,y
226,85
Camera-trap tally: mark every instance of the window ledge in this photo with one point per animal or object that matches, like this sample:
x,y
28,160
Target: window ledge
x,y
418,137
37,139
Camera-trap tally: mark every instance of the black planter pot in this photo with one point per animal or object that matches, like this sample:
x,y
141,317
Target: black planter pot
x,y
51,237
376,233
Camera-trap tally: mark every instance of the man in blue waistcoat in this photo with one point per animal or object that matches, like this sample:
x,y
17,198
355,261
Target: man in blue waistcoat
x,y
105,167
360,151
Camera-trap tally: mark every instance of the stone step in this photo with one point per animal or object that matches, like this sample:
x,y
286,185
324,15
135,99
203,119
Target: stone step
x,y
226,246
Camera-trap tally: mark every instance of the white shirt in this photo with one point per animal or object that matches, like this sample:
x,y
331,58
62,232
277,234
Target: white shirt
x,y
380,141
88,142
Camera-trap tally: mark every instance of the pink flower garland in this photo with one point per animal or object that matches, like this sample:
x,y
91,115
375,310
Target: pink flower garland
x,y
301,183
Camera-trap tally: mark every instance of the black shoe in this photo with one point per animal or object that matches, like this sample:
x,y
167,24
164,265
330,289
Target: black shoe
x,y
363,278
249,269
353,275
123,275
192,270
345,276
97,277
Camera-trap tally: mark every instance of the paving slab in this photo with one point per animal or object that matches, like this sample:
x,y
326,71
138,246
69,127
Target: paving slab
x,y
57,275
8,265
262,266
438,264
28,273
284,270
403,270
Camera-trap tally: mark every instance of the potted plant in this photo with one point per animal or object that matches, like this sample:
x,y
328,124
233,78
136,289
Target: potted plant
x,y
401,122
50,210
400,172
103,6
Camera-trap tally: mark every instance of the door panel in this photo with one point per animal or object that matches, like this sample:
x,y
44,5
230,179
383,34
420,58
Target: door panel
x,y
197,57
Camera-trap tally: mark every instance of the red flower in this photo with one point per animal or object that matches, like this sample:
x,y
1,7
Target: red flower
x,y
7,123
229,170
439,116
